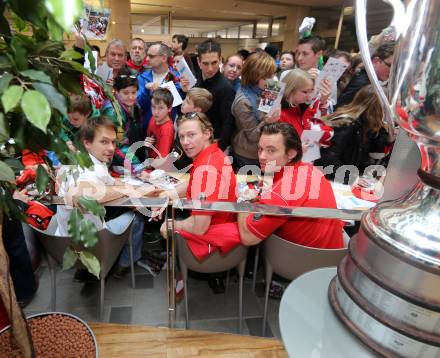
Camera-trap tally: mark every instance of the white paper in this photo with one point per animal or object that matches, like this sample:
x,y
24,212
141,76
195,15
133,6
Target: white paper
x,y
105,72
172,88
184,71
132,181
271,96
332,71
310,138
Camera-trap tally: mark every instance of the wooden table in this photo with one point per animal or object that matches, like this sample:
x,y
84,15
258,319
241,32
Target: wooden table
x,y
116,340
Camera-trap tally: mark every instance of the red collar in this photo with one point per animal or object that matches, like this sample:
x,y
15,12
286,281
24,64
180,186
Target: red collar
x,y
202,157
136,67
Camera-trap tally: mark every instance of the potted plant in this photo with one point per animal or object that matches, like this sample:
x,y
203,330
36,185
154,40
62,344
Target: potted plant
x,y
36,74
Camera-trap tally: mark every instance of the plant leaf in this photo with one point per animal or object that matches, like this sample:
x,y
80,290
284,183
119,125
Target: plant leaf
x,y
88,233
64,12
4,131
18,22
42,180
90,57
36,108
6,173
14,164
20,53
71,55
74,224
56,100
11,97
55,30
69,258
92,206
4,81
36,76
90,262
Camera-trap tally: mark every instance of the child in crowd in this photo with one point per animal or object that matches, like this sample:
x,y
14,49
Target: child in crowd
x,y
130,132
160,132
80,108
197,100
298,111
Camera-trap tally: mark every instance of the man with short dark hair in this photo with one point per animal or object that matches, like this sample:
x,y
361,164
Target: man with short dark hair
x,y
179,44
210,78
309,52
138,57
294,183
382,60
158,55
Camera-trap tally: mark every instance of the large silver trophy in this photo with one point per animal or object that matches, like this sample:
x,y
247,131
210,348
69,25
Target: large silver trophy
x,y
387,290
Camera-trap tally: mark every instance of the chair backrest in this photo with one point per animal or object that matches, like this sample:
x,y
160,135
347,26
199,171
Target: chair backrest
x,y
106,250
290,260
215,262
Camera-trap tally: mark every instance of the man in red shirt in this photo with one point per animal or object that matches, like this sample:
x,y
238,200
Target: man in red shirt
x,y
294,183
211,178
211,175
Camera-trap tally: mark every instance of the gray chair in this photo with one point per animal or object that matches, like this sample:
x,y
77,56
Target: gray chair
x,y
290,260
216,262
106,250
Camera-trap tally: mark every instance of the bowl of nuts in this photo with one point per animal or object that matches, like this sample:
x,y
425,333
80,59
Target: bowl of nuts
x,y
54,334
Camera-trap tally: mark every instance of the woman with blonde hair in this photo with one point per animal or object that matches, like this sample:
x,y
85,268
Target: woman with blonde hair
x,y
296,108
360,133
258,68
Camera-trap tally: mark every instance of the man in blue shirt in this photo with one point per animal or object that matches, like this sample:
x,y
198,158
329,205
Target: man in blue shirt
x,y
158,56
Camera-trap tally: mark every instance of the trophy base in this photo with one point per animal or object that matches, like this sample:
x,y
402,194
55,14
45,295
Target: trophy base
x,y
387,291
378,336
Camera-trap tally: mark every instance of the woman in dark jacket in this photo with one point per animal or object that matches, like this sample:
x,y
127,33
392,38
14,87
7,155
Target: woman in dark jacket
x,y
360,136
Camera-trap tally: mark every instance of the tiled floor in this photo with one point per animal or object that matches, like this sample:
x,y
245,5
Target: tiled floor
x,y
147,304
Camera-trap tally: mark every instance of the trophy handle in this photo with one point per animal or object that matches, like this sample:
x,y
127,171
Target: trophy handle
x,y
361,32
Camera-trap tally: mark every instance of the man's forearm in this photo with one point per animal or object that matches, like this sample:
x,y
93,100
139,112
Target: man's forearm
x,y
247,238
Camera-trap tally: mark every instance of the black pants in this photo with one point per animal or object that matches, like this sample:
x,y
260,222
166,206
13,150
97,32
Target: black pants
x,y
240,162
20,262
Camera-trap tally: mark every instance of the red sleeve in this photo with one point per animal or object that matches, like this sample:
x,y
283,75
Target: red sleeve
x,y
290,116
150,130
30,158
298,181
165,140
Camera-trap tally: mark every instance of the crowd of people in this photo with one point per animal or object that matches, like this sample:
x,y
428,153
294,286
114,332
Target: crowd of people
x,y
219,131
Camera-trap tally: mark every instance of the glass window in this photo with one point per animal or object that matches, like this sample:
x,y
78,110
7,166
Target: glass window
x,y
262,28
221,33
233,33
278,26
246,31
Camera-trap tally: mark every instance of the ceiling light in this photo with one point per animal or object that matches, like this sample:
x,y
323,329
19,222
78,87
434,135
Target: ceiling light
x,y
349,10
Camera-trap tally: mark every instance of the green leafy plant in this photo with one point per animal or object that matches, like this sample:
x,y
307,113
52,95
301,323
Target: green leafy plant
x,y
37,72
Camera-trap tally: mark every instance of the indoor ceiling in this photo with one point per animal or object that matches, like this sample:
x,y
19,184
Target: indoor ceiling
x,y
197,16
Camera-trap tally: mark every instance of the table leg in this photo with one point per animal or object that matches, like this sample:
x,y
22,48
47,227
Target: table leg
x,y
171,260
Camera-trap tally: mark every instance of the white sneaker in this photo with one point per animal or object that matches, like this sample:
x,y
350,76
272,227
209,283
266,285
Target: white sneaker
x,y
153,270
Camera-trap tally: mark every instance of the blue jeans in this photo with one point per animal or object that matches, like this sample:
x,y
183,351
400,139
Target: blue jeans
x,y
137,237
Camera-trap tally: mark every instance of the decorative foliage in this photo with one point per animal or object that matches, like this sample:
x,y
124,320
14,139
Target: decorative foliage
x,y
36,74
